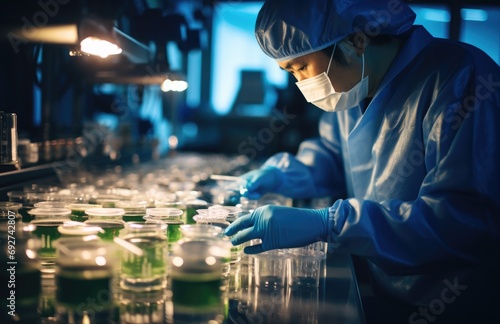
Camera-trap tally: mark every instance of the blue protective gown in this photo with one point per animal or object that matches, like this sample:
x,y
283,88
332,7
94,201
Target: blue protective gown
x,y
418,173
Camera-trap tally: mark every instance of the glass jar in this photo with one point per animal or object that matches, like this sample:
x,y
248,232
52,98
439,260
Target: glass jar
x,y
111,228
84,280
196,281
143,307
134,210
143,256
46,221
78,229
170,216
207,232
191,207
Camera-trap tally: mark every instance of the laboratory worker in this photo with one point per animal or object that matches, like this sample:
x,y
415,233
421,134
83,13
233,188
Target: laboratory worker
x,y
408,149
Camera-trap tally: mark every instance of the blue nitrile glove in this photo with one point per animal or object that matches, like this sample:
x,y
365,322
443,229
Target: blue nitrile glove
x,y
262,181
279,227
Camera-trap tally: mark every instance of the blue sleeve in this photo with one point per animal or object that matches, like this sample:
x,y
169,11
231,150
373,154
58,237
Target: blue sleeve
x,y
455,220
316,170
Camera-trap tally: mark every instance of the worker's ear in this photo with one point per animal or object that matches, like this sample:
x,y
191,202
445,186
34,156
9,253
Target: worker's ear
x,y
359,41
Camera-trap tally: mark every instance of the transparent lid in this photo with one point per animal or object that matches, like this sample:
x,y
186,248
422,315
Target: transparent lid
x,y
232,210
50,212
9,206
50,204
118,212
164,212
82,207
132,204
200,231
215,215
78,229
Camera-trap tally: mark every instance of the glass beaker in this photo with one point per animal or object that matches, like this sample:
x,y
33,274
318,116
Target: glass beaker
x,y
8,142
195,280
191,207
270,269
84,280
169,216
134,210
218,216
111,228
78,229
47,220
144,257
143,307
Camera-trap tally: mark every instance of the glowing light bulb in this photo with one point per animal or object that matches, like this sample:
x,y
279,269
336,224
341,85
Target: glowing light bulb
x,y
99,47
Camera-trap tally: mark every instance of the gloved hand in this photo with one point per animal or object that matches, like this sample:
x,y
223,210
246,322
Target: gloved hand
x,y
262,181
279,227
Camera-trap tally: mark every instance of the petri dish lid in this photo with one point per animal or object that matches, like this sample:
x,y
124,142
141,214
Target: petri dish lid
x,y
200,230
78,228
39,211
164,212
82,207
105,212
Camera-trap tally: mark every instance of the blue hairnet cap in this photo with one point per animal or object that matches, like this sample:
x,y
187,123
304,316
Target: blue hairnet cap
x,y
286,29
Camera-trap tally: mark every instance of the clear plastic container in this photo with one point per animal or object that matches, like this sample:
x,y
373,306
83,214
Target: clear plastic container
x,y
196,280
47,220
85,271
78,229
105,213
170,216
134,210
111,228
144,256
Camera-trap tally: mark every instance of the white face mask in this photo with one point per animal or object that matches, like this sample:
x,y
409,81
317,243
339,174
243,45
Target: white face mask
x,y
319,91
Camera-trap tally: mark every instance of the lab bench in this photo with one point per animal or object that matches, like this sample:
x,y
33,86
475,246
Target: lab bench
x,y
336,300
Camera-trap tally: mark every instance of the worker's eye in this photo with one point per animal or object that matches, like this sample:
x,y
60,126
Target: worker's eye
x,y
302,68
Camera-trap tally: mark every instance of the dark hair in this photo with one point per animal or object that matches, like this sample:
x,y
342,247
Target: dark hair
x,y
340,57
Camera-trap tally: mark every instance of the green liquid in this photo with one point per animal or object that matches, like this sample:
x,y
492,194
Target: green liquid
x,y
78,218
190,212
25,215
76,286
46,231
174,231
152,265
134,218
111,229
78,215
196,290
